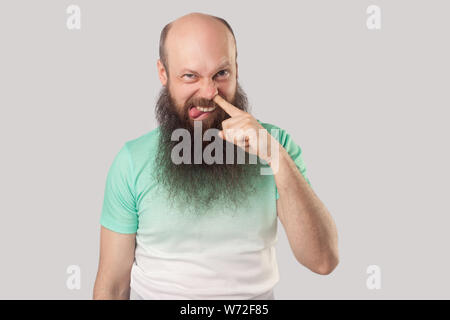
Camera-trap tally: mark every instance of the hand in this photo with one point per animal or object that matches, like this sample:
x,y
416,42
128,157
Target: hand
x,y
243,130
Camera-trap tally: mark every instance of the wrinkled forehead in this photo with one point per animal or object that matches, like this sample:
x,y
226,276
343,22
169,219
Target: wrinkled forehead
x,y
199,47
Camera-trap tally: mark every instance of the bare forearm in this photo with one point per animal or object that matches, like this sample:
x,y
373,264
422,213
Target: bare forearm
x,y
103,290
111,295
309,226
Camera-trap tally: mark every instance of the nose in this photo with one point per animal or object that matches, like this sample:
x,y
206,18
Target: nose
x,y
208,89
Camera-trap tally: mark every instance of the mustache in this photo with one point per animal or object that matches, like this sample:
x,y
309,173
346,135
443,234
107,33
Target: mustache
x,y
201,102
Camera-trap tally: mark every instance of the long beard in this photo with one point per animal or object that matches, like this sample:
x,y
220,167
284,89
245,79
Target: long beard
x,y
197,188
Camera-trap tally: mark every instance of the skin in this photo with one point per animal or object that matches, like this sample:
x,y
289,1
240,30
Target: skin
x,y
309,227
114,268
201,60
197,45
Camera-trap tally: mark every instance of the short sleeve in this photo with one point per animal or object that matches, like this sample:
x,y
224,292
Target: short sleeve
x,y
292,149
119,212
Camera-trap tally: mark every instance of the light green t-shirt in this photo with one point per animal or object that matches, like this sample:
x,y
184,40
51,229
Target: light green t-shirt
x,y
219,256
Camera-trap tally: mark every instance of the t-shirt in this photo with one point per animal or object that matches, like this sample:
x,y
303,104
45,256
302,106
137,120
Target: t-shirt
x,y
218,256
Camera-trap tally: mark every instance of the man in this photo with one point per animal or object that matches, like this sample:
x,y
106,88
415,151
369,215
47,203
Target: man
x,y
196,229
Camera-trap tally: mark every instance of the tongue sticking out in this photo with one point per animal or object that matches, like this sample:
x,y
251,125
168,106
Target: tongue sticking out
x,y
194,112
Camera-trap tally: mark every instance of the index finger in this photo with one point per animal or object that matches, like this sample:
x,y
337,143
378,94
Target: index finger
x,y
226,106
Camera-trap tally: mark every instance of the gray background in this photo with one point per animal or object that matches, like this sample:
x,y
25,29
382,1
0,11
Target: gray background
x,y
369,109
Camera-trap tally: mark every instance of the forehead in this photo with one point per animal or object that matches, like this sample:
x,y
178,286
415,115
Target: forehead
x,y
200,47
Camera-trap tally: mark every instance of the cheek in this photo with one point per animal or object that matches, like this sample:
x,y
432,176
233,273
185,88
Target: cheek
x,y
224,86
228,89
181,95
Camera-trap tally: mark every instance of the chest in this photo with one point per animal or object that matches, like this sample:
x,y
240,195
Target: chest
x,y
250,227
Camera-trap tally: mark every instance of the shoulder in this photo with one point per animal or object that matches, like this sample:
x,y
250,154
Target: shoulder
x,y
144,142
141,148
277,132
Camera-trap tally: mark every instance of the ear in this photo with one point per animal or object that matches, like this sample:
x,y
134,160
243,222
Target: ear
x,y
237,73
162,73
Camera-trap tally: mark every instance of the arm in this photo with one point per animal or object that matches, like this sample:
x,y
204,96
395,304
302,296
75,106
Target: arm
x,y
114,270
310,229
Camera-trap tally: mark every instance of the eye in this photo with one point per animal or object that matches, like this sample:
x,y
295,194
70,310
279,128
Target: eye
x,y
222,73
189,76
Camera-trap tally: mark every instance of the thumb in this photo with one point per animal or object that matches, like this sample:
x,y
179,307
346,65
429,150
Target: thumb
x,y
221,134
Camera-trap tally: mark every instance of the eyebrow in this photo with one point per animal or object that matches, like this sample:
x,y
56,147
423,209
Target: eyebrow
x,y
222,66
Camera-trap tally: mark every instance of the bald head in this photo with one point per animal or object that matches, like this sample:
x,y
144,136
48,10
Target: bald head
x,y
195,28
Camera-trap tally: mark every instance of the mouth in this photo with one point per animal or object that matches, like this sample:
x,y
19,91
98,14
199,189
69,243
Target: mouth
x,y
200,113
